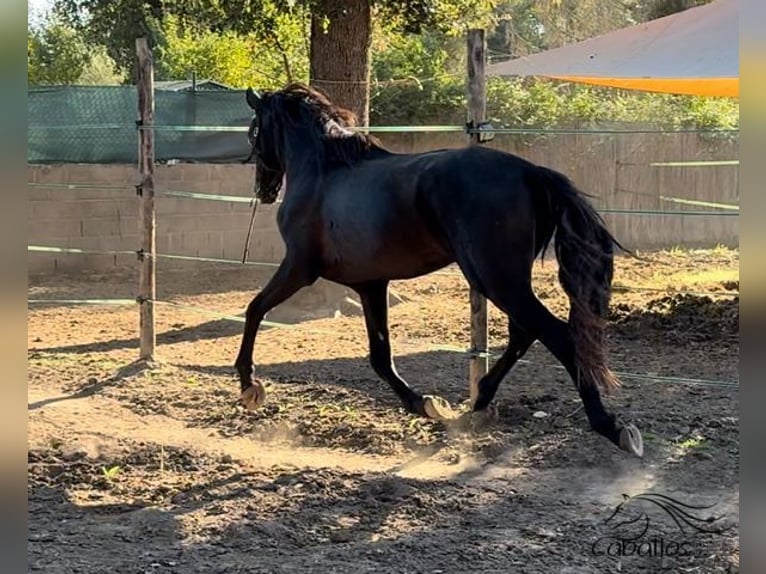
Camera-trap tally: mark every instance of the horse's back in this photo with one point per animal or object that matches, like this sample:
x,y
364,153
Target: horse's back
x,y
443,185
408,213
474,178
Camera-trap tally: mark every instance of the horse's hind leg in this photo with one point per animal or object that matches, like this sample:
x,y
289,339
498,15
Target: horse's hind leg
x,y
374,297
555,334
515,297
518,344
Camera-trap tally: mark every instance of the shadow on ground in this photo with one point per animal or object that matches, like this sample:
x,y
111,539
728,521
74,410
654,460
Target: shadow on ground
x,y
297,520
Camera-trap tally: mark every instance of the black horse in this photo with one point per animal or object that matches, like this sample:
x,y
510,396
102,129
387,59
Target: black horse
x,y
361,216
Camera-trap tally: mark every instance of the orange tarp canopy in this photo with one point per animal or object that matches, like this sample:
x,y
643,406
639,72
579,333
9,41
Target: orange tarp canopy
x,y
691,52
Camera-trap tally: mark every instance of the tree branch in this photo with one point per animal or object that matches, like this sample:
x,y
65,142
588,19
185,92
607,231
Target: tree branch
x,y
285,59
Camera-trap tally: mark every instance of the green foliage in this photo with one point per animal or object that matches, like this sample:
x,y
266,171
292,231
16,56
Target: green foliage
x,y
670,111
448,17
276,33
411,79
652,9
712,113
423,56
541,103
239,43
227,57
412,103
532,103
101,70
56,54
526,26
110,474
115,24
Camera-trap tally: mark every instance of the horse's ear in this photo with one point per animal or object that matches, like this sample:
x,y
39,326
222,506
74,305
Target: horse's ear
x,y
253,98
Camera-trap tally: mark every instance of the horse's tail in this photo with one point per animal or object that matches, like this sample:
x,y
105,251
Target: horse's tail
x,y
585,252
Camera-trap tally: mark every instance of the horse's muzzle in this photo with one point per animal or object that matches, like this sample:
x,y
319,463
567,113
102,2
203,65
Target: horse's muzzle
x,y
268,182
267,194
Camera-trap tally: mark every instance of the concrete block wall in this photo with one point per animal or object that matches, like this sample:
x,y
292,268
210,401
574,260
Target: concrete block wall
x,y
107,219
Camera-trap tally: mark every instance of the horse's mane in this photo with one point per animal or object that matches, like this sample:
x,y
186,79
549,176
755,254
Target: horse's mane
x,y
339,144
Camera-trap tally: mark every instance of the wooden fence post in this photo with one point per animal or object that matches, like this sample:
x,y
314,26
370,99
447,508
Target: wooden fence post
x,y
147,287
477,111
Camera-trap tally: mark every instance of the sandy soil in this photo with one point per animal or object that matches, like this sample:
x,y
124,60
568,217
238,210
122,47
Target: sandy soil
x,y
158,468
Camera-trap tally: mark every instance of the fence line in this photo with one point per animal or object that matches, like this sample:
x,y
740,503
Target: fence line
x,y
139,253
717,205
207,196
81,301
215,260
168,192
412,129
76,186
616,288
47,249
726,210
660,212
703,163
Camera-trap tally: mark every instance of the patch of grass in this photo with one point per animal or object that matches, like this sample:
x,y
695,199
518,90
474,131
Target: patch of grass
x,y
326,410
690,443
724,251
110,474
678,251
351,412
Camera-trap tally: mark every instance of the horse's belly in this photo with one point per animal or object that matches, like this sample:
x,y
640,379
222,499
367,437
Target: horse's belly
x,y
377,234
356,262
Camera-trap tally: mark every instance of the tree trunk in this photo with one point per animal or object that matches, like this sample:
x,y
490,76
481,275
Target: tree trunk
x,y
341,33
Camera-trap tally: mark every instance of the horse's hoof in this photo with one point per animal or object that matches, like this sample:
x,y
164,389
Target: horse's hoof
x,y
631,441
253,396
437,408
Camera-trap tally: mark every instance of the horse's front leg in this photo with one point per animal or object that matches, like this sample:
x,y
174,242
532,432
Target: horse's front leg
x,y
374,297
291,276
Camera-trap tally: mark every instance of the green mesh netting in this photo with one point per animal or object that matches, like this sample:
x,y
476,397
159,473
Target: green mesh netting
x,y
95,124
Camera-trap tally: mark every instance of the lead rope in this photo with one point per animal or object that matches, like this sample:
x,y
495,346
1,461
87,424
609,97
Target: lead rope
x,y
254,203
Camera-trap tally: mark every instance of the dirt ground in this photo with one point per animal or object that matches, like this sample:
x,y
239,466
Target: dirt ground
x,y
138,468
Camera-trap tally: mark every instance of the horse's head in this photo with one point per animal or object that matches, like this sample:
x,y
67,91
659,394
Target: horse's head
x,y
264,137
299,117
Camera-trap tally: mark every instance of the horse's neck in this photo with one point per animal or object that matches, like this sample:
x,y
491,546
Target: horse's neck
x,y
301,159
297,165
